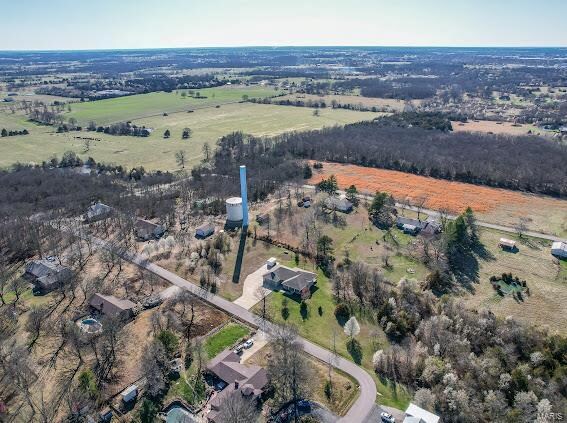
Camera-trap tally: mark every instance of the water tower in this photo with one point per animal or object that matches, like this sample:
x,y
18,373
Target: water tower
x,y
237,207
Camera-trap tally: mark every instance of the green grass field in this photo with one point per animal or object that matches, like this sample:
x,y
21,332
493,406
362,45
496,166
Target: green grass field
x,y
155,152
123,109
224,338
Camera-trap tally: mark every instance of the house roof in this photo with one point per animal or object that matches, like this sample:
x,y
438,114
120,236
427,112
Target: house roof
x,y
146,226
401,220
421,414
98,209
338,203
291,278
227,367
47,272
507,242
110,305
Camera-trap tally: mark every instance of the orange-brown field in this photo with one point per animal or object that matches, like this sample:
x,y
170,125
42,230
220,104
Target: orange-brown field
x,y
494,205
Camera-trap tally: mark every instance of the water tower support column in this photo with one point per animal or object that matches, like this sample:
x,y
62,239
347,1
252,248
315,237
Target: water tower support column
x,y
244,195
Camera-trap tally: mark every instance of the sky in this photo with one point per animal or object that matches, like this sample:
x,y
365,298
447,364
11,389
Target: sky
x,y
121,24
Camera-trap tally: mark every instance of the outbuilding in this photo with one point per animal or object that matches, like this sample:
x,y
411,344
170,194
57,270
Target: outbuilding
x,y
507,244
205,230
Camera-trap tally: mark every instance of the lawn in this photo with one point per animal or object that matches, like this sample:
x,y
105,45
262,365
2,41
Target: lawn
x,y
122,109
319,325
225,338
155,152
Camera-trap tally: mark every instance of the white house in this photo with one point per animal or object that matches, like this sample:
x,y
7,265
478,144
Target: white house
x,y
559,249
415,414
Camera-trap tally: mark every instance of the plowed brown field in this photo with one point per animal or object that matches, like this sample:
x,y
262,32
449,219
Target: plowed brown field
x,y
498,205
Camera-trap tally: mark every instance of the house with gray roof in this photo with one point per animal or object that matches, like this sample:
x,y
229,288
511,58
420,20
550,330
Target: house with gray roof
x,y
294,281
111,306
97,211
146,230
240,379
47,274
339,204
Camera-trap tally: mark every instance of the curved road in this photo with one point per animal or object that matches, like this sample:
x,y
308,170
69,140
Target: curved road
x,y
362,407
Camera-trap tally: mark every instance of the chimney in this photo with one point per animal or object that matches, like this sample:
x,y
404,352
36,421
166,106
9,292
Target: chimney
x,y
244,196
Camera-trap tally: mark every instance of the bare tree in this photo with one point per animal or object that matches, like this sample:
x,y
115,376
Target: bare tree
x,y
288,368
180,158
238,409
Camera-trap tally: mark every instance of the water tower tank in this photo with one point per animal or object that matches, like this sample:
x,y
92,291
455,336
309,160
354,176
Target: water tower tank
x,y
234,209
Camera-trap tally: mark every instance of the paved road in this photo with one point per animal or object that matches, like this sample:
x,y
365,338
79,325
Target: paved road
x,y
480,223
365,402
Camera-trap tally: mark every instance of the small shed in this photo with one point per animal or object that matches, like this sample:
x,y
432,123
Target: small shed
x,y
205,230
130,393
507,244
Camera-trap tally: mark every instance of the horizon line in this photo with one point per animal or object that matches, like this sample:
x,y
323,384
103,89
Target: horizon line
x,y
277,46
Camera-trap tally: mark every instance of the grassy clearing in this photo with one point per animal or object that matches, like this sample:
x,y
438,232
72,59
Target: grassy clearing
x,y
224,338
155,152
132,107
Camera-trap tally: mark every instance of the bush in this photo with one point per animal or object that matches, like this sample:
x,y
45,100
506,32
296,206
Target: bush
x,y
170,342
342,312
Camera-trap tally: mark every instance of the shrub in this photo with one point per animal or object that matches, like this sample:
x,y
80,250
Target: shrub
x,y
342,312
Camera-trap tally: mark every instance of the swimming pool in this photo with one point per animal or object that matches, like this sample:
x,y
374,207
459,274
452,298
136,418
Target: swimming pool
x,y
178,414
90,325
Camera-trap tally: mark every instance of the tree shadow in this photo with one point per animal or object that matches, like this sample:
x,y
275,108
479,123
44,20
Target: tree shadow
x,y
239,257
355,350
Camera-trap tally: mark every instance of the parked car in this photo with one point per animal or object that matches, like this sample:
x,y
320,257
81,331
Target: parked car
x,y
387,417
238,349
248,343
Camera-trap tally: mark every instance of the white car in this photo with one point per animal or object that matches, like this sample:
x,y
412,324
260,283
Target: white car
x,y
387,417
248,343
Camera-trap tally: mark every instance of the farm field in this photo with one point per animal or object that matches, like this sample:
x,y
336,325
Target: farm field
x,y
391,104
155,152
546,279
487,126
492,205
122,109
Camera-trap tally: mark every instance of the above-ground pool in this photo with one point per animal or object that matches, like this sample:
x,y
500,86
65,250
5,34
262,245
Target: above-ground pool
x,y
90,325
177,413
